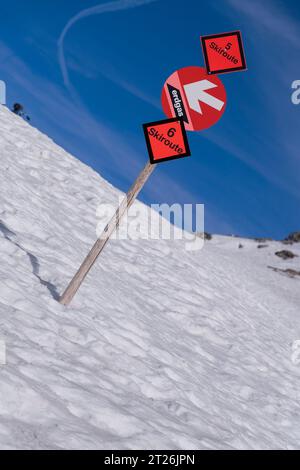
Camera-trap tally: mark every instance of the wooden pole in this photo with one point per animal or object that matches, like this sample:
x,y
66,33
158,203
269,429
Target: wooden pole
x,y
109,229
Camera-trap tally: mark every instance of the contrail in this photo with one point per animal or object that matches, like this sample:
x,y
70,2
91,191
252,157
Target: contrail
x,y
96,10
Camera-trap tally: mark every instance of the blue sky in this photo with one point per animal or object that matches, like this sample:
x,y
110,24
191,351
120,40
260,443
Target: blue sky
x,y
245,169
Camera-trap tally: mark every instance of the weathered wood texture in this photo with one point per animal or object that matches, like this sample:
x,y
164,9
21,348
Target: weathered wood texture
x,y
86,266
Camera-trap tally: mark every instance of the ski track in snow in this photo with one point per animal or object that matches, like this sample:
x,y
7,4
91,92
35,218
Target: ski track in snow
x,y
161,348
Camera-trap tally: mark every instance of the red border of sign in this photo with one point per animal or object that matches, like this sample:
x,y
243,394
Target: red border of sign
x,y
184,135
222,35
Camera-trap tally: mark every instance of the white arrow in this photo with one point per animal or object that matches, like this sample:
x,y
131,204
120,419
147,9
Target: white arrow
x,y
196,92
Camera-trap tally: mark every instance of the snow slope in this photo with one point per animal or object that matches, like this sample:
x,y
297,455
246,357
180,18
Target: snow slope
x,y
162,348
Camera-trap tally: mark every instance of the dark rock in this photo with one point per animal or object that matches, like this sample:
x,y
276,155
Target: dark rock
x,y
287,242
241,246
262,246
263,240
285,254
293,237
288,272
205,235
292,272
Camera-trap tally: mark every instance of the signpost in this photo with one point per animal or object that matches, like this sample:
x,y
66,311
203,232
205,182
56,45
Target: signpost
x,y
223,52
109,229
193,99
197,98
166,140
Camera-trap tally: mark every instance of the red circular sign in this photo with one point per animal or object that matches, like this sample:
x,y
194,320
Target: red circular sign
x,y
196,97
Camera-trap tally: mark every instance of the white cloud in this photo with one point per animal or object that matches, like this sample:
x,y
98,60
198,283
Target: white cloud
x,y
109,72
72,118
96,10
270,16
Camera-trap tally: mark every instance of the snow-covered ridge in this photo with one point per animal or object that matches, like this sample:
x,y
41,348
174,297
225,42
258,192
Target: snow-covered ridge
x,y
161,348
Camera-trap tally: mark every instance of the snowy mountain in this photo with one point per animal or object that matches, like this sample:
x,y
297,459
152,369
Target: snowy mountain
x,y
161,348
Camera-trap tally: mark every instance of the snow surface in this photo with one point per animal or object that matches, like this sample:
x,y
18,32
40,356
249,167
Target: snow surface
x,y
162,348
